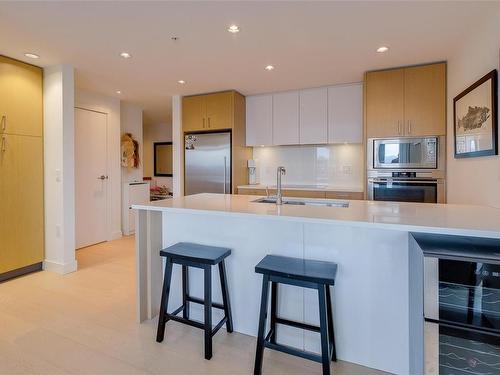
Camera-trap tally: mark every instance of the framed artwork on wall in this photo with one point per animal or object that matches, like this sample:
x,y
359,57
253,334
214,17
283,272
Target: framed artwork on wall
x,y
475,118
163,162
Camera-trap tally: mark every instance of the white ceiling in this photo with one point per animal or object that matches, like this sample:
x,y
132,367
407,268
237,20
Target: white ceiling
x,y
310,43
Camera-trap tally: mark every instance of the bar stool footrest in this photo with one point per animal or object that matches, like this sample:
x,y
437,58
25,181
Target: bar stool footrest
x,y
293,351
199,301
193,323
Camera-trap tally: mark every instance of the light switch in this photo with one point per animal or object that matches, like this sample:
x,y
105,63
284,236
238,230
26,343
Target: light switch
x,y
58,175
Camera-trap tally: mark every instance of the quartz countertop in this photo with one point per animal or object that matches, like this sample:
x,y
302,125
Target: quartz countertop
x,y
454,219
353,189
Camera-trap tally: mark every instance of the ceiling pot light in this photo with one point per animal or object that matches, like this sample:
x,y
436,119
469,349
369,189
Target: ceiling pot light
x,y
31,55
233,29
181,82
382,49
269,67
118,92
125,55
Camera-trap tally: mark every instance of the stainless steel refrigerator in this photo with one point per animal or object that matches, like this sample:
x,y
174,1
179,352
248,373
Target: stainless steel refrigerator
x,y
207,163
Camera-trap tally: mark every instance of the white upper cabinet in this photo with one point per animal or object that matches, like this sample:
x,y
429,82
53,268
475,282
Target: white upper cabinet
x,y
259,120
286,118
314,116
345,113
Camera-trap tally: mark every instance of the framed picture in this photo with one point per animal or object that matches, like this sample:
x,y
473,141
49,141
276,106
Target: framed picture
x,y
163,163
475,119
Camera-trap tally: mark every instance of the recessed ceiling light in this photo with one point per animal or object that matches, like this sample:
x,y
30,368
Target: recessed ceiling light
x,y
125,55
31,55
182,82
233,29
269,67
118,92
382,49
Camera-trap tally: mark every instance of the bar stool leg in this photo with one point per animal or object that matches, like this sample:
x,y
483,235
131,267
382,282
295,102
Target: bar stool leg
x,y
225,297
164,301
262,325
325,355
208,311
185,291
331,332
274,308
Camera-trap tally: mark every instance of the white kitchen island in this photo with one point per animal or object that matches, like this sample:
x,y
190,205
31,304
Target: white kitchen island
x,y
377,298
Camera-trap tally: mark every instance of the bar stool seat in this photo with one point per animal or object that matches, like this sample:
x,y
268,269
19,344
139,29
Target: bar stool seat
x,y
314,274
200,256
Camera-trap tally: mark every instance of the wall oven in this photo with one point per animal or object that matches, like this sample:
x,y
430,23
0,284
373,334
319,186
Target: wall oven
x,y
462,315
410,169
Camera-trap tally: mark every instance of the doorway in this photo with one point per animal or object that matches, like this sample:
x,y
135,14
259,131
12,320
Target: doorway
x,y
91,177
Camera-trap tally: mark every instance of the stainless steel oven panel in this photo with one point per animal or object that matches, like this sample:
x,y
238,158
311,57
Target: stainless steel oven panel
x,y
431,288
441,157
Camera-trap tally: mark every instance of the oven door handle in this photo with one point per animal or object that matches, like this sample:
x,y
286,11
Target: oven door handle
x,y
430,182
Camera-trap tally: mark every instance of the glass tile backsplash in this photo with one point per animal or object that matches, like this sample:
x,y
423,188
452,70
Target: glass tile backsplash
x,y
338,165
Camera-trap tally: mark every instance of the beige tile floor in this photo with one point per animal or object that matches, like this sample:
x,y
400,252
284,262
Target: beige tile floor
x,y
84,323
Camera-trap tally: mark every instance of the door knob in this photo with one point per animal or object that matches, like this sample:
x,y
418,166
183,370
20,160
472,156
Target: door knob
x,y
102,177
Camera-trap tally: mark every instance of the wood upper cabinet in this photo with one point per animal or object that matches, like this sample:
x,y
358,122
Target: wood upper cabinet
x,y
425,100
259,120
406,102
286,118
384,103
208,112
193,113
21,103
313,119
21,201
345,113
219,110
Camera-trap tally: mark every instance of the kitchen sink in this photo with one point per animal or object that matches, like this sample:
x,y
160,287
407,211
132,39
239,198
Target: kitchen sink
x,y
304,202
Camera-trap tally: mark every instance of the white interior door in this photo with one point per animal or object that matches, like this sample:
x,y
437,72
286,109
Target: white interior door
x,y
91,177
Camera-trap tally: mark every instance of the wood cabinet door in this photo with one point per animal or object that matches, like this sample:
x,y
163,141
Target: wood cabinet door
x,y
345,114
313,124
21,91
384,103
193,113
21,203
425,100
259,120
286,118
219,110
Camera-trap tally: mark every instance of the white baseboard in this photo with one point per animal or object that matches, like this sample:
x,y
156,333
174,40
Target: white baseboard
x,y
115,235
60,268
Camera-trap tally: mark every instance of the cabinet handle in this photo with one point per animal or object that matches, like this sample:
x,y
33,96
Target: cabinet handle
x,y
203,122
4,123
399,127
409,126
2,148
209,122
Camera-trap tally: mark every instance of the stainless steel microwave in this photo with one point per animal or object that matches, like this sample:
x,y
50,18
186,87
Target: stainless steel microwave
x,y
404,153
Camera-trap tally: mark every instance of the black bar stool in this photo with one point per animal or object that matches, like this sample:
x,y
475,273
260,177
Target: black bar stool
x,y
204,257
303,273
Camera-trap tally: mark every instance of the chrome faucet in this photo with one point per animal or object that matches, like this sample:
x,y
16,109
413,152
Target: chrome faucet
x,y
281,171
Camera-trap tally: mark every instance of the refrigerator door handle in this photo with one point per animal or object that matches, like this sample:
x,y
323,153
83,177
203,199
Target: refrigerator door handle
x,y
225,166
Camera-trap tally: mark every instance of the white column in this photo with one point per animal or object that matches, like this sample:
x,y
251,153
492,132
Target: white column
x,y
59,184
178,146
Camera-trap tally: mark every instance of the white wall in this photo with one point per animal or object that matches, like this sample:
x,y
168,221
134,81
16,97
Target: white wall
x,y
337,165
59,184
110,106
155,133
473,180
131,122
178,146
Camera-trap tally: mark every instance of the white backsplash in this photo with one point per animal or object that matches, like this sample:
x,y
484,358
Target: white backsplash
x,y
338,165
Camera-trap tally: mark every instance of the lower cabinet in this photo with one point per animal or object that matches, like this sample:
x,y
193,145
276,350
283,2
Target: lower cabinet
x,y
350,195
21,201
